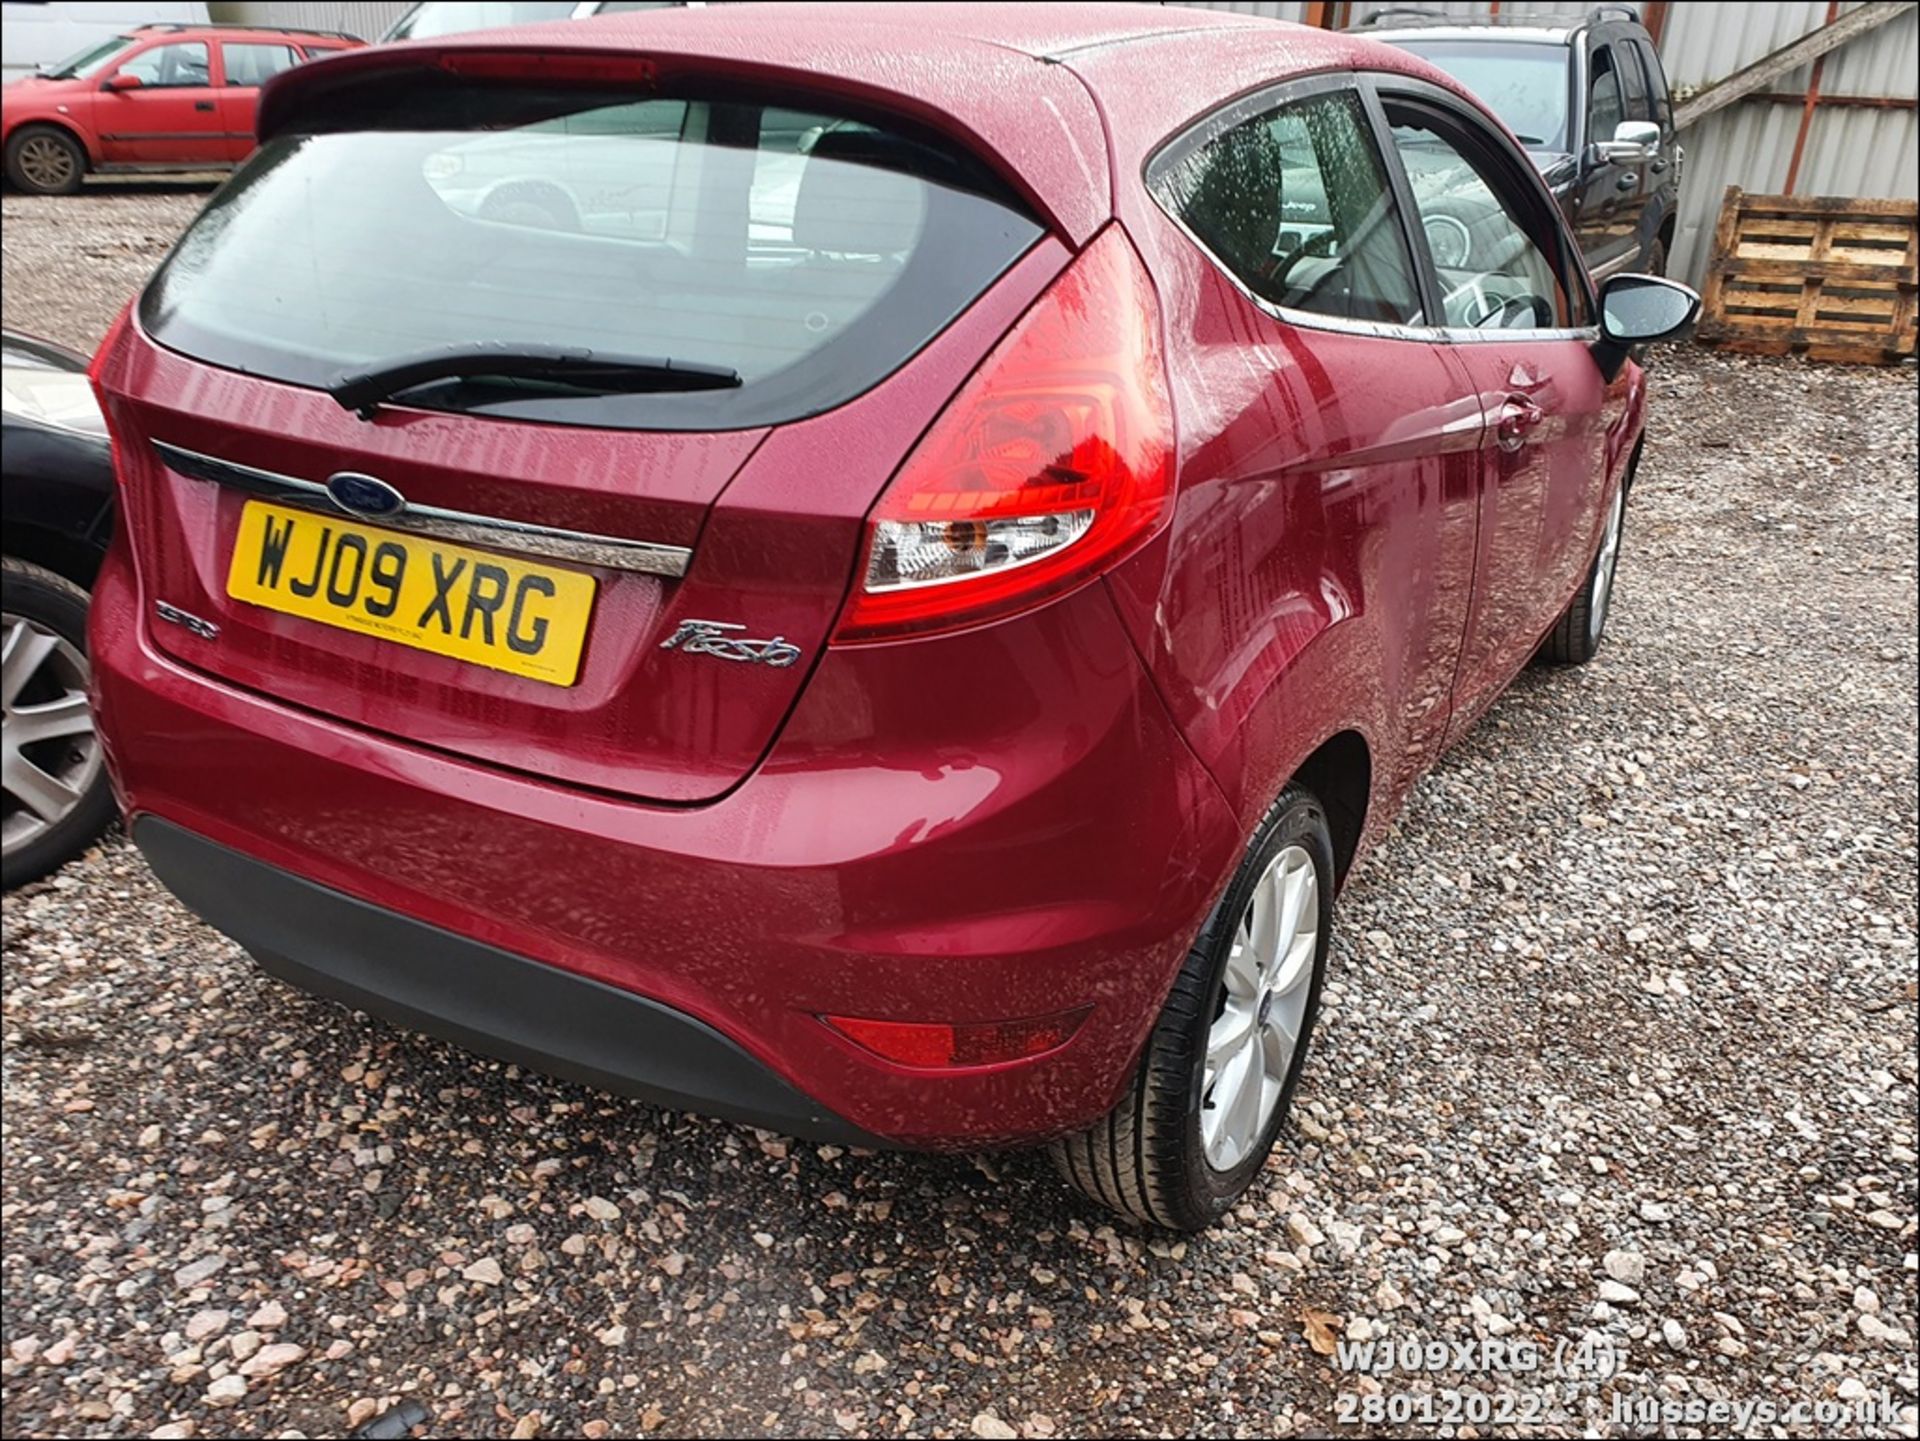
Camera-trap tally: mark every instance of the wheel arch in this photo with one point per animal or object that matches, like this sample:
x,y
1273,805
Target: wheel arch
x,y
64,126
64,555
1339,772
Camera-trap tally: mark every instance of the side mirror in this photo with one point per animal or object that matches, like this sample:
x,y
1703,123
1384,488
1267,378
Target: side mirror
x,y
1640,310
1633,141
123,81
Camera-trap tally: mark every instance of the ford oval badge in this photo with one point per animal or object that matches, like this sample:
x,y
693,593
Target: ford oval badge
x,y
364,495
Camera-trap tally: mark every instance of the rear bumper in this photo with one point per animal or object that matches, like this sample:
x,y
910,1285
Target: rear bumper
x,y
991,826
476,995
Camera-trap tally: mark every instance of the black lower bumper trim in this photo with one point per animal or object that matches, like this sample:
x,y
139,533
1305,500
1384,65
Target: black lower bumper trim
x,y
476,995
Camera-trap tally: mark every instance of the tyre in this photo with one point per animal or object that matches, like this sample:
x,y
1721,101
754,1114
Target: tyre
x,y
532,204
1575,637
1217,1074
1656,261
45,160
54,797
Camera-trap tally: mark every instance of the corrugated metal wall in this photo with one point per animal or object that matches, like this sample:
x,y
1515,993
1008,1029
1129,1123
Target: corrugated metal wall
x,y
1855,151
365,18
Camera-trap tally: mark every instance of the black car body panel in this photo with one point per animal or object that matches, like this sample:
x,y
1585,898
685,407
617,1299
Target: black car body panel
x,y
56,480
1621,210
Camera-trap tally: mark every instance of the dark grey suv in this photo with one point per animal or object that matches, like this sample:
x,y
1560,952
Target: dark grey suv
x,y
1589,101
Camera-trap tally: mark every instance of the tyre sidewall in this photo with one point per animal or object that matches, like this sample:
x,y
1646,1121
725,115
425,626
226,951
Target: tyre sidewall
x,y
59,605
1297,819
17,177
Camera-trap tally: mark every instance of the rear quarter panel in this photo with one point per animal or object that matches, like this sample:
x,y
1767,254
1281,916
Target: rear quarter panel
x,y
1272,609
1317,570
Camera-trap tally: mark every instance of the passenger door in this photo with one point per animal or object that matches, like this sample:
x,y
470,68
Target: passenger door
x,y
1513,310
1609,189
170,117
247,66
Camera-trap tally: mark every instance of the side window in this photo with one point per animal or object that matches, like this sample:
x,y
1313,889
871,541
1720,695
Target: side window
x,y
1633,75
171,67
1296,204
1496,254
1604,111
1656,83
256,64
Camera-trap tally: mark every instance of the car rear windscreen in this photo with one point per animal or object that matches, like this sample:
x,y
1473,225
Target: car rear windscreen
x,y
810,253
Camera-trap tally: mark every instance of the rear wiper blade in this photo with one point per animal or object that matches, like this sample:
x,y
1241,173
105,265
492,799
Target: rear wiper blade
x,y
362,390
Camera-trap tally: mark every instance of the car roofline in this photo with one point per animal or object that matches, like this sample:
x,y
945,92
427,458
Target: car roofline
x,y
1510,34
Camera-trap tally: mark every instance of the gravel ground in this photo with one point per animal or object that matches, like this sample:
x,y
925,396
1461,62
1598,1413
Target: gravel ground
x,y
1620,1044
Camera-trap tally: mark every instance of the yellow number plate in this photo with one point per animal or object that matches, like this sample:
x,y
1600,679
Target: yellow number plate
x,y
529,620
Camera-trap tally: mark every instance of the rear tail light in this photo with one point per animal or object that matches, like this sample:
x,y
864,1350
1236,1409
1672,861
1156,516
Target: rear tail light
x,y
1053,462
936,1045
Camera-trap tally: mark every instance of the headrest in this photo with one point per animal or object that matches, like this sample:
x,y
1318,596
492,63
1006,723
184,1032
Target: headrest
x,y
861,193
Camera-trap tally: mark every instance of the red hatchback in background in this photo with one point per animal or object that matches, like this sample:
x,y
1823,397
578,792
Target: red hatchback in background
x,y
160,97
865,569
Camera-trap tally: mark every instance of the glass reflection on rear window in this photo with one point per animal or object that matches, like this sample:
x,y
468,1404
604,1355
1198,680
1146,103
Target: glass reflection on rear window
x,y
811,253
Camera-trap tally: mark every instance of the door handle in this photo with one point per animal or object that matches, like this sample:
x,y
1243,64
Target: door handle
x,y
203,105
1519,417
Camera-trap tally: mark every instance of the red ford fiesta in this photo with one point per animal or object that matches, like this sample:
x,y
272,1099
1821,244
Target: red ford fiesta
x,y
866,570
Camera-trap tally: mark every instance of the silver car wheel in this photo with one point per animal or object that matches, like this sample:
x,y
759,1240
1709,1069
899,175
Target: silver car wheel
x,y
1604,567
49,752
1263,1008
46,162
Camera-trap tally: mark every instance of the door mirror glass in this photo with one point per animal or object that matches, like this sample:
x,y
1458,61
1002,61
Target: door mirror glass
x,y
1633,141
124,81
1640,309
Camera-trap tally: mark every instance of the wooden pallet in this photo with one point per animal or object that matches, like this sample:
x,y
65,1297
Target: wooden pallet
x,y
1827,277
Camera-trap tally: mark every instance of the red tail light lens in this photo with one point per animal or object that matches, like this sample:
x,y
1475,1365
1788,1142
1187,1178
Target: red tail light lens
x,y
938,1046
1053,462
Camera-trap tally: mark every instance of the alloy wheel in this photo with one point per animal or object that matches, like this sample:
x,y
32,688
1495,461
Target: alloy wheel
x,y
1604,567
46,162
49,752
1263,1008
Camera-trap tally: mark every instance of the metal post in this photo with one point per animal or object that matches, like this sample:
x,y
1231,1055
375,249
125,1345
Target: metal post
x,y
1656,20
1806,111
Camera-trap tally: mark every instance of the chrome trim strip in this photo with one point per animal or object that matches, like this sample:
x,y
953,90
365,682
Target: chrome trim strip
x,y
1607,269
611,552
1289,92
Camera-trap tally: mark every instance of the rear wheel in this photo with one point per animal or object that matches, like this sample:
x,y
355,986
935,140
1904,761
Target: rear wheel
x,y
1575,637
54,797
1217,1076
43,160
1656,262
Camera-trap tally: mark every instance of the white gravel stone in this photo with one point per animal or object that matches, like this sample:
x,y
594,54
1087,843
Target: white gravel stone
x,y
227,1391
1627,1267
